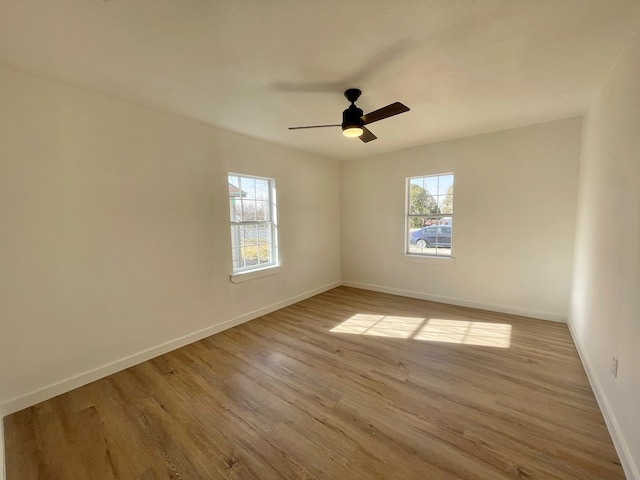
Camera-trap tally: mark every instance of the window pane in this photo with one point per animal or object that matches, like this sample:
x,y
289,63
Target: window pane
x,y
419,181
238,261
444,184
421,201
431,185
264,253
262,211
234,212
250,255
262,189
265,234
248,210
235,237
248,186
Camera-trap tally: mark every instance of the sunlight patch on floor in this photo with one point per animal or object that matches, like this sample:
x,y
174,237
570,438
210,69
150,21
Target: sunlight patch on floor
x,y
432,330
466,332
380,325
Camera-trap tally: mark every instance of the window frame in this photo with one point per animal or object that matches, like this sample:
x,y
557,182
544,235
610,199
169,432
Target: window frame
x,y
260,269
441,218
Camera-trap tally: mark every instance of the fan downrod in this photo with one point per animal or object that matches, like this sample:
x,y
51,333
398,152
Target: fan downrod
x,y
352,94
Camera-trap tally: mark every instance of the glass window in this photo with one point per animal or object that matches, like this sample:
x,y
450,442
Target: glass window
x,y
252,202
429,215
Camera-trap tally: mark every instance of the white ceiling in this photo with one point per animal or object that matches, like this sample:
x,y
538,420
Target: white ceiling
x,y
259,66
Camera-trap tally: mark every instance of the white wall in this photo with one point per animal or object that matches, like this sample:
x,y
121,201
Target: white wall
x,y
514,204
605,307
115,236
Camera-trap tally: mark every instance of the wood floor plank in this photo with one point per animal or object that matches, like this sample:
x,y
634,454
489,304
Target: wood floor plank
x,y
347,384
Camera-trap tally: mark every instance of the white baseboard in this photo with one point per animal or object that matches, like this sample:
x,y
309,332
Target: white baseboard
x,y
76,381
631,470
492,307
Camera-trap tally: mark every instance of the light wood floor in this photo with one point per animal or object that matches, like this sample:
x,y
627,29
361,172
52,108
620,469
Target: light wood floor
x,y
401,389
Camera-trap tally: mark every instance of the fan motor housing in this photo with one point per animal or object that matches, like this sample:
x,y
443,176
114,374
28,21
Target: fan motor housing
x,y
352,117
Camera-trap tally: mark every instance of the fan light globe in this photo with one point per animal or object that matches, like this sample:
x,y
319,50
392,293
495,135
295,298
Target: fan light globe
x,y
352,132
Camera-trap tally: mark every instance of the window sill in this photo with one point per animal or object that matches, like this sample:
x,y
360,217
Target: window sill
x,y
253,274
428,259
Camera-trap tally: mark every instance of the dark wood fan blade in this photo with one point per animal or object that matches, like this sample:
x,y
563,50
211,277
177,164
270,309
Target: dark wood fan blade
x,y
367,136
314,126
385,112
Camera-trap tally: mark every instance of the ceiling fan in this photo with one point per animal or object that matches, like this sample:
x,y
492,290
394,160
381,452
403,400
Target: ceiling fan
x,y
353,121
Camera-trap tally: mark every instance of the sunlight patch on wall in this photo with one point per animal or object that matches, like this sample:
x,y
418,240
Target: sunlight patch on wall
x,y
432,330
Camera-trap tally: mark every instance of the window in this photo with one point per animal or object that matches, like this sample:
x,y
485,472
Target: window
x,y
252,202
429,215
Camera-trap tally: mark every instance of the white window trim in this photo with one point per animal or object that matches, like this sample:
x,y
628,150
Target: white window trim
x,y
247,275
429,259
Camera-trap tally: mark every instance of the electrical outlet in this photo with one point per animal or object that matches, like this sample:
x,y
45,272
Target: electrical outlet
x,y
285,282
614,366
